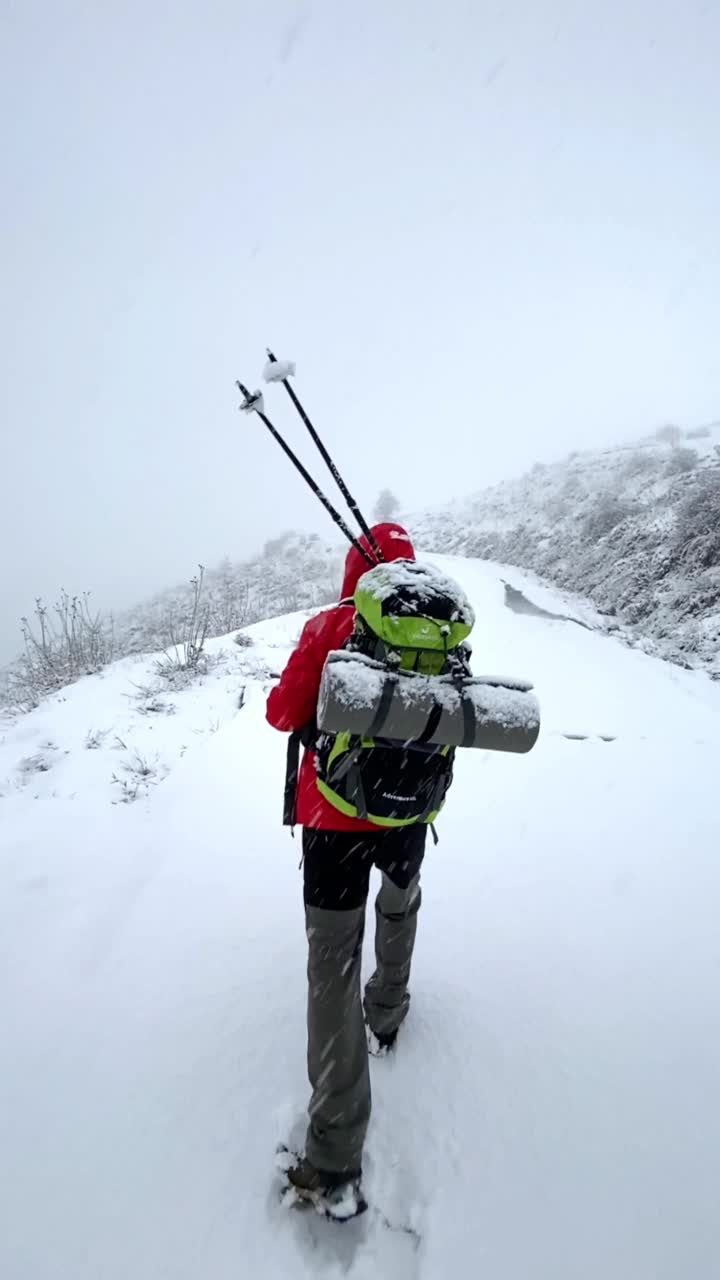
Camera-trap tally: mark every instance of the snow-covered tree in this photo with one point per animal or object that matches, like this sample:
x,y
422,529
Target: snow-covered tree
x,y
387,505
669,434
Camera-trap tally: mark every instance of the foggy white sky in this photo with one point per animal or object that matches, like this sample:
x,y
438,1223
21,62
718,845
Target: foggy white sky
x,y
487,232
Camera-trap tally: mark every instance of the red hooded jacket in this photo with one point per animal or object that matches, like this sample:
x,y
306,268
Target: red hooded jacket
x,y
293,702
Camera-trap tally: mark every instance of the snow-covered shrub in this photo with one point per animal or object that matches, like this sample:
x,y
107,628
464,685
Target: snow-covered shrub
x,y
640,463
60,646
138,775
697,530
37,763
681,460
608,511
228,598
155,705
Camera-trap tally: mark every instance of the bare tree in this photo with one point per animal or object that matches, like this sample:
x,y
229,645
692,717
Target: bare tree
x,y
185,652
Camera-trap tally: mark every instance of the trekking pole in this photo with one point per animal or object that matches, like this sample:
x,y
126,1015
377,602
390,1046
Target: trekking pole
x,y
285,370
254,403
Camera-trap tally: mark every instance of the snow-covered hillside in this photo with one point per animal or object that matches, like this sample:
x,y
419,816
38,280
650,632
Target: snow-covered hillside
x,y
549,1113
635,528
293,571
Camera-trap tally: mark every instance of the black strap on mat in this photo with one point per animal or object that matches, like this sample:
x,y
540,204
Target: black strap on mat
x,y
469,719
383,707
432,724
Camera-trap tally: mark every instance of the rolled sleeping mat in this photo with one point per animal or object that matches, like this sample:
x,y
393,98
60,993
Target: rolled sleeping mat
x,y
360,696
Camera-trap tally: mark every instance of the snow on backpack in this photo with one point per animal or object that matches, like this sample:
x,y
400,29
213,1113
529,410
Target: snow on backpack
x,y
399,697
409,620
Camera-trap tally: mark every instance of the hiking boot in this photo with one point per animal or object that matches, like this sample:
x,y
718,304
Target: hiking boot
x,y
380,1046
337,1195
305,1177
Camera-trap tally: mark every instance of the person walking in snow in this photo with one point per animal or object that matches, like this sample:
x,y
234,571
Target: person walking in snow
x,y
339,853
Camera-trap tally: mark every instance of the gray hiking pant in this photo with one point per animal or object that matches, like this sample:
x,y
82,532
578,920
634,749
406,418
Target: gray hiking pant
x,y
337,1044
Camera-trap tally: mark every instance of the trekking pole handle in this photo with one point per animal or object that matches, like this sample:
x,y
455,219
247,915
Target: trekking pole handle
x,y
352,504
254,403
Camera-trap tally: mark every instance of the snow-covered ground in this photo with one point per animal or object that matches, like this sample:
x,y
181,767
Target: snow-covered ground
x,y
551,1111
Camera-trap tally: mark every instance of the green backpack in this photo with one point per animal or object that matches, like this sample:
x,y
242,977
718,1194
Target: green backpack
x,y
410,617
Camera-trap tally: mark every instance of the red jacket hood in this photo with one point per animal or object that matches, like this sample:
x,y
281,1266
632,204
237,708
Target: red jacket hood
x,y
393,541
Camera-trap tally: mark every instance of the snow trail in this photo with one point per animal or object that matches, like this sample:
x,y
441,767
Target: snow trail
x,y
549,1111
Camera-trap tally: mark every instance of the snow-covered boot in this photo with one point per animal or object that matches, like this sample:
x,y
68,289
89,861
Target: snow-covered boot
x,y
380,1046
336,1195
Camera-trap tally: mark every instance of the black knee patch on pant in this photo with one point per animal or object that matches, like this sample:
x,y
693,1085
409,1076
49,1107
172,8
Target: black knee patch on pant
x,y
336,869
337,864
399,854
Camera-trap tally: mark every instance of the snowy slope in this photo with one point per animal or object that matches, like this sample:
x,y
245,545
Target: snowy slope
x,y
550,1112
635,528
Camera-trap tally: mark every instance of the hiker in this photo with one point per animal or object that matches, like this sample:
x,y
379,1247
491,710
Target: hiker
x,y
380,720
338,855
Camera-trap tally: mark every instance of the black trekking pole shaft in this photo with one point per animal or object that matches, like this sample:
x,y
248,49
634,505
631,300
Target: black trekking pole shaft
x,y
352,504
312,484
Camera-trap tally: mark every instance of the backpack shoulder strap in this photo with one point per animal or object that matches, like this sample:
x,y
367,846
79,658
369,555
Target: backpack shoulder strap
x,y
304,737
292,771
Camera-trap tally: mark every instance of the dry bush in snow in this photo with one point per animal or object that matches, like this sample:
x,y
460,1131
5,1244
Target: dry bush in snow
x,y
59,646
